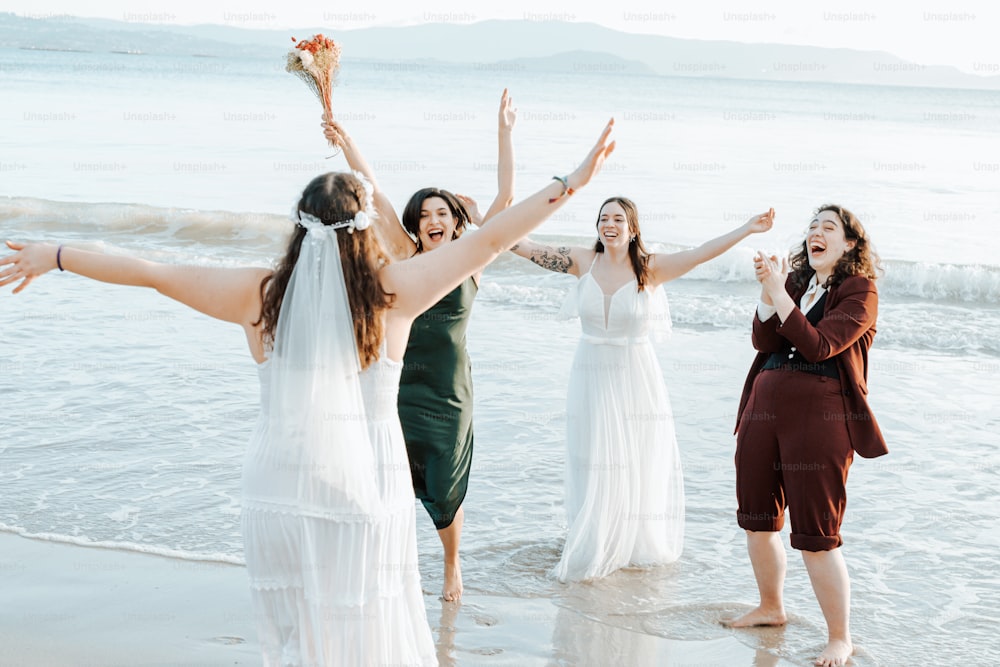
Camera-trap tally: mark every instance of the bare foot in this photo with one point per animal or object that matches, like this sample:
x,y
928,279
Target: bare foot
x,y
452,591
757,617
836,654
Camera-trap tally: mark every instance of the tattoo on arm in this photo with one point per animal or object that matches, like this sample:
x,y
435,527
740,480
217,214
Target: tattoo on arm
x,y
515,247
553,259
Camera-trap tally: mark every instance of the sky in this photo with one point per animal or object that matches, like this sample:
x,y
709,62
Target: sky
x,y
929,32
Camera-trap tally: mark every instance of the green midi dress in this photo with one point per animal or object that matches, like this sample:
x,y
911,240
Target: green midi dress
x,y
435,404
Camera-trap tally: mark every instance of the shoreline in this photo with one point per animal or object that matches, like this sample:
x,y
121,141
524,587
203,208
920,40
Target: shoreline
x,y
66,604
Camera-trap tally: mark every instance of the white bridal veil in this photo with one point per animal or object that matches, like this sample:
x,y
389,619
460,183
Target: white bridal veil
x,y
317,414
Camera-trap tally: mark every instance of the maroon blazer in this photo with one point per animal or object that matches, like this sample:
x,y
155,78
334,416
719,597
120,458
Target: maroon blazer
x,y
845,333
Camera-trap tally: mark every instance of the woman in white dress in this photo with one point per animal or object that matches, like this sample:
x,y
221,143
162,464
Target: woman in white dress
x,y
328,517
624,488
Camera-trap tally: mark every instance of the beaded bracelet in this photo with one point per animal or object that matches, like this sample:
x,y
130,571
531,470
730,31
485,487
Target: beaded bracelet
x,y
59,258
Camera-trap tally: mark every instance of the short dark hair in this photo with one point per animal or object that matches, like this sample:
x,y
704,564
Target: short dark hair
x,y
411,214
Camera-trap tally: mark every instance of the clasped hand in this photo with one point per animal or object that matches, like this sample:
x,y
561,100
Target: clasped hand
x,y
770,274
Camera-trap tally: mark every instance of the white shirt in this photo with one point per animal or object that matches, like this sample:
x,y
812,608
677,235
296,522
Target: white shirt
x,y
808,300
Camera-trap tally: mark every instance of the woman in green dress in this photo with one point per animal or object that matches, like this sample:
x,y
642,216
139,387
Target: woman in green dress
x,y
435,389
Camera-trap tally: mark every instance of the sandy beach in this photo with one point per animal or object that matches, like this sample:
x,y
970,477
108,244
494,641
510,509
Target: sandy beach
x,y
72,605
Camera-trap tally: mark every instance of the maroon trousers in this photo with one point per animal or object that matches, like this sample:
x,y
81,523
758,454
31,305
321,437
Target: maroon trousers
x,y
793,450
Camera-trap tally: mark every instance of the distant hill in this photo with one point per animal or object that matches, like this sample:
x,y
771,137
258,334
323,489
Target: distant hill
x,y
573,62
518,45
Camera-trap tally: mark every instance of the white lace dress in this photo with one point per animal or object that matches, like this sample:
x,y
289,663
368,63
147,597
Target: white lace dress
x,y
331,588
624,487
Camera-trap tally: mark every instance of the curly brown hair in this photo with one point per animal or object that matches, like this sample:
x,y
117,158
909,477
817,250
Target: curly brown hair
x,y
637,252
333,197
861,260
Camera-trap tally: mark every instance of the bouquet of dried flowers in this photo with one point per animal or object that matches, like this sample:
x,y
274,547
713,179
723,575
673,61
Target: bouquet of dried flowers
x,y
316,62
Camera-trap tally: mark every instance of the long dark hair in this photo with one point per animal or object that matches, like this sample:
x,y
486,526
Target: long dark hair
x,y
861,260
637,253
411,214
332,198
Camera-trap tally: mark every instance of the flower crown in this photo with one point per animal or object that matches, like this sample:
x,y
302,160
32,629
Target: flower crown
x,y
361,221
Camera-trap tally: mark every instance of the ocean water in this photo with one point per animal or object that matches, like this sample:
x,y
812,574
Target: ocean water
x,y
125,414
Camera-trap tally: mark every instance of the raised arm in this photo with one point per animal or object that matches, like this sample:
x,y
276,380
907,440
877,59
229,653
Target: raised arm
x,y
765,335
505,156
396,241
667,267
421,281
232,295
563,259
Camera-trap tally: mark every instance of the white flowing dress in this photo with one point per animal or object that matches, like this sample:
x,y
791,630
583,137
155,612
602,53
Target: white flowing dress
x,y
624,486
329,587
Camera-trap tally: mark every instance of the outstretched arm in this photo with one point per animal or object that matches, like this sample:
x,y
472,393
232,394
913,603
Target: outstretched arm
x,y
421,281
667,267
232,295
505,157
397,242
563,259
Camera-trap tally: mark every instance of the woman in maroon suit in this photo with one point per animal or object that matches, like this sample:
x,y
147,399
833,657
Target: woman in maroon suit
x,y
803,414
